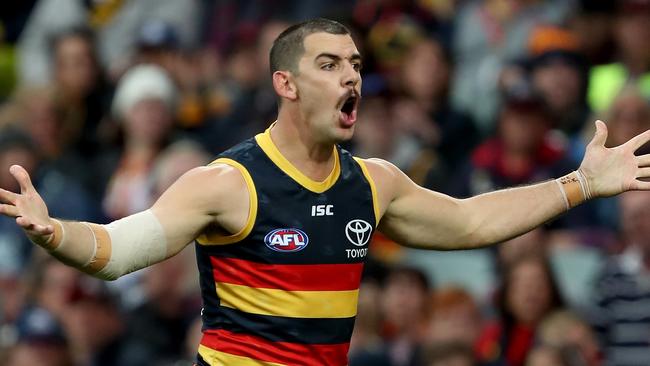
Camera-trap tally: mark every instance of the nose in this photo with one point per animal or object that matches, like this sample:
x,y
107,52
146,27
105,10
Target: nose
x,y
351,77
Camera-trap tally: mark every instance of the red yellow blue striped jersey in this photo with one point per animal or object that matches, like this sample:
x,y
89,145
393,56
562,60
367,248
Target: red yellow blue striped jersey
x,y
283,291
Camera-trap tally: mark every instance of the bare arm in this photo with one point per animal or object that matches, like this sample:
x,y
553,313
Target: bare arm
x,y
418,217
203,196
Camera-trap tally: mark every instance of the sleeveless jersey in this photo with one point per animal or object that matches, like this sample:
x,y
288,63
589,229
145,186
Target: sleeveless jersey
x,y
284,290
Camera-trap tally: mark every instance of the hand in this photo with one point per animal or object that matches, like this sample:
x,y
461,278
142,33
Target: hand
x,y
27,207
611,171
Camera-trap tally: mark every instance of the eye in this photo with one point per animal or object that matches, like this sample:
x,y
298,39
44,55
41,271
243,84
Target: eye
x,y
328,66
357,66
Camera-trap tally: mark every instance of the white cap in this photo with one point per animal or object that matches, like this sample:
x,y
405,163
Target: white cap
x,y
143,82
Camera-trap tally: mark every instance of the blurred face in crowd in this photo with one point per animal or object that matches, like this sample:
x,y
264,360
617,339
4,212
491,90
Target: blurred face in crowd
x,y
148,122
632,33
528,296
559,82
522,129
43,122
375,133
425,72
530,242
635,219
404,301
28,353
629,116
454,319
328,78
57,283
76,70
15,155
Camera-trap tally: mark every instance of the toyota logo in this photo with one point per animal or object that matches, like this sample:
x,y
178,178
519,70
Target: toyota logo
x,y
358,232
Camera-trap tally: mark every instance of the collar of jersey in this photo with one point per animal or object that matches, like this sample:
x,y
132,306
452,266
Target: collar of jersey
x,y
266,143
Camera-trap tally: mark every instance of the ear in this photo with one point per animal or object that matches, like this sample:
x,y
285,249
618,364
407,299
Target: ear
x,y
284,85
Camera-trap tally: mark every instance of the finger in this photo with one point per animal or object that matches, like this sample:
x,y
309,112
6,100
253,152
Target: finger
x,y
22,177
641,185
643,173
639,140
601,134
7,196
643,160
9,210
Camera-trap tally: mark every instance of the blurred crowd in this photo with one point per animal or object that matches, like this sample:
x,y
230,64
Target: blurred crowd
x,y
107,102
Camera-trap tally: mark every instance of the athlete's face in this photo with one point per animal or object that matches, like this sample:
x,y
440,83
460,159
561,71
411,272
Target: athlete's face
x,y
328,86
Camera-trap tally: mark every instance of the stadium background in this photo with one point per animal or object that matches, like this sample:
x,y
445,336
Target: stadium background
x,y
106,102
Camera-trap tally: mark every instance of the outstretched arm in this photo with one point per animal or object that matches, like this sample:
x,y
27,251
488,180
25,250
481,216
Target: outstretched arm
x,y
137,241
418,217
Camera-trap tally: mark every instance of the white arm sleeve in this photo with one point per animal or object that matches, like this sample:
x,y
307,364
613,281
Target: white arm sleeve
x,y
136,241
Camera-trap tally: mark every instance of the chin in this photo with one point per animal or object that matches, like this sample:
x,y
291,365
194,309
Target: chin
x,y
344,134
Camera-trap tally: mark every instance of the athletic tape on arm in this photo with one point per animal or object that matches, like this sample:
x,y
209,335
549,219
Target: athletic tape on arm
x,y
131,243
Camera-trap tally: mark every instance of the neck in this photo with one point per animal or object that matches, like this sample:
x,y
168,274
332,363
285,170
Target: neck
x,y
297,143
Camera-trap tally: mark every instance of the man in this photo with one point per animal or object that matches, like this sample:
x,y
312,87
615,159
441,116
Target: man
x,y
298,213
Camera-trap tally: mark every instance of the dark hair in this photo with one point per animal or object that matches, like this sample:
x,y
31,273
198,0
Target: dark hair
x,y
412,274
555,302
82,32
289,46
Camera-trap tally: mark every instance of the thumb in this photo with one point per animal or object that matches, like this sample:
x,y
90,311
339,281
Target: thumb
x,y
601,134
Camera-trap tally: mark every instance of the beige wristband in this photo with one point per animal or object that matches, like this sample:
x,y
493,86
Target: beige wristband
x,y
574,188
102,252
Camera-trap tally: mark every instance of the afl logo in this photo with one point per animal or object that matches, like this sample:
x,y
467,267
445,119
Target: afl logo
x,y
358,232
286,240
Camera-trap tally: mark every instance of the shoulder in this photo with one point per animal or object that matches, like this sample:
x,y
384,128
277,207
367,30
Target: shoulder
x,y
212,187
385,174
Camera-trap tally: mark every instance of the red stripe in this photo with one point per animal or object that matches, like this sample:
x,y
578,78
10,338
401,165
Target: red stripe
x,y
279,352
290,277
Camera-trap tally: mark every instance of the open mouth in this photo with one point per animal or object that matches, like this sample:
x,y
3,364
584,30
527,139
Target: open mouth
x,y
349,109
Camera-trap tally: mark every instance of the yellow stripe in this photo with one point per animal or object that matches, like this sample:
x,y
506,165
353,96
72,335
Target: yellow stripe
x,y
292,304
216,358
216,239
269,148
373,188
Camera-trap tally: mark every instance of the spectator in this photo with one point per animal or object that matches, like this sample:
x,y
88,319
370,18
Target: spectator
x,y
160,324
455,318
488,34
566,330
623,321
94,324
523,150
379,136
82,95
404,305
559,73
113,22
528,293
367,345
631,31
425,110
41,341
144,102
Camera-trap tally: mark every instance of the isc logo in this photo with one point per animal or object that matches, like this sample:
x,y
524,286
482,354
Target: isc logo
x,y
322,210
286,240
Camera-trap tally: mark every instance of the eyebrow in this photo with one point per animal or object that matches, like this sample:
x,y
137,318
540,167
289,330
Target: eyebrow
x,y
355,56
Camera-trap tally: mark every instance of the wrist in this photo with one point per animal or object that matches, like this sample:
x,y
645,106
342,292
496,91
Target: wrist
x,y
52,242
575,188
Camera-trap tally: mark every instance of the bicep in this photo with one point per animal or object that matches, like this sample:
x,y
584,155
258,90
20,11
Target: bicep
x,y
419,217
188,206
